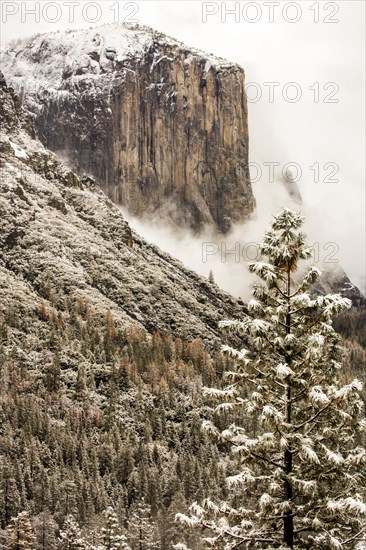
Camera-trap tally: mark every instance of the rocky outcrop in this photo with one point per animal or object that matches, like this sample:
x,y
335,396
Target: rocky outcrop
x,y
335,280
63,241
163,128
12,116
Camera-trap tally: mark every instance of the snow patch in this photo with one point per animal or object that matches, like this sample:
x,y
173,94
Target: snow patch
x,y
18,151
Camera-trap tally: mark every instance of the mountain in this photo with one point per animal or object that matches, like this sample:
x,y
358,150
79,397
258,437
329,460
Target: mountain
x,y
162,127
62,238
335,279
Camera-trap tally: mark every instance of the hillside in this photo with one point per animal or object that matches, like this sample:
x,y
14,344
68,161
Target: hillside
x,y
102,356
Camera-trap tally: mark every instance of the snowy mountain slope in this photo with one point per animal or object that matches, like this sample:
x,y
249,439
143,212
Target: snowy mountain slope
x,y
63,239
94,410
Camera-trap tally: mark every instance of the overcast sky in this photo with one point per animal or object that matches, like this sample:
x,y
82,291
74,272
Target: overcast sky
x,y
310,49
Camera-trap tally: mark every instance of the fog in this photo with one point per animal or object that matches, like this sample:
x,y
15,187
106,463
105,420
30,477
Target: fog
x,y
226,256
323,132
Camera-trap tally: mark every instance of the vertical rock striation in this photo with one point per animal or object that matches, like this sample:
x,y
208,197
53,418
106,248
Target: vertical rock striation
x,y
162,128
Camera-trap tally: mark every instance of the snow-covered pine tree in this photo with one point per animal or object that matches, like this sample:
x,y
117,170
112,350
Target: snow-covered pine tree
x,y
112,537
19,535
141,531
300,481
71,537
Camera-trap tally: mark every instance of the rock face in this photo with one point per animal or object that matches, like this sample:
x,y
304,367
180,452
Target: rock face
x,y
13,116
62,240
335,280
161,127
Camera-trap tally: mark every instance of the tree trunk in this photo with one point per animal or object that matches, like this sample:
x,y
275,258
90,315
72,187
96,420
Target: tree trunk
x,y
288,522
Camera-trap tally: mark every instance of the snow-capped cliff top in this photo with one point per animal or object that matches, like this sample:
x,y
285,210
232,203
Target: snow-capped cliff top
x,y
47,59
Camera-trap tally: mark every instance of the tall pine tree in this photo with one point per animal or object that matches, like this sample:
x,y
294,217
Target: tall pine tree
x,y
300,478
71,537
141,531
19,535
112,537
45,529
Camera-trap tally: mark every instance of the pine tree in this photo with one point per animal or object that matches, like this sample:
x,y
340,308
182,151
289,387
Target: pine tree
x,y
20,535
71,537
45,529
141,532
9,494
211,277
300,478
112,537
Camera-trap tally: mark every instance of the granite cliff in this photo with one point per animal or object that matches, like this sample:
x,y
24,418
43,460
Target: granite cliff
x,y
162,128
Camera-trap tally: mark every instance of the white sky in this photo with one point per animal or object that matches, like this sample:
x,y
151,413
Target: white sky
x,y
304,52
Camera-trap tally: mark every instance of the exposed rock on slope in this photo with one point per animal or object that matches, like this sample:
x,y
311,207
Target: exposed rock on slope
x,y
62,239
13,117
162,127
335,279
